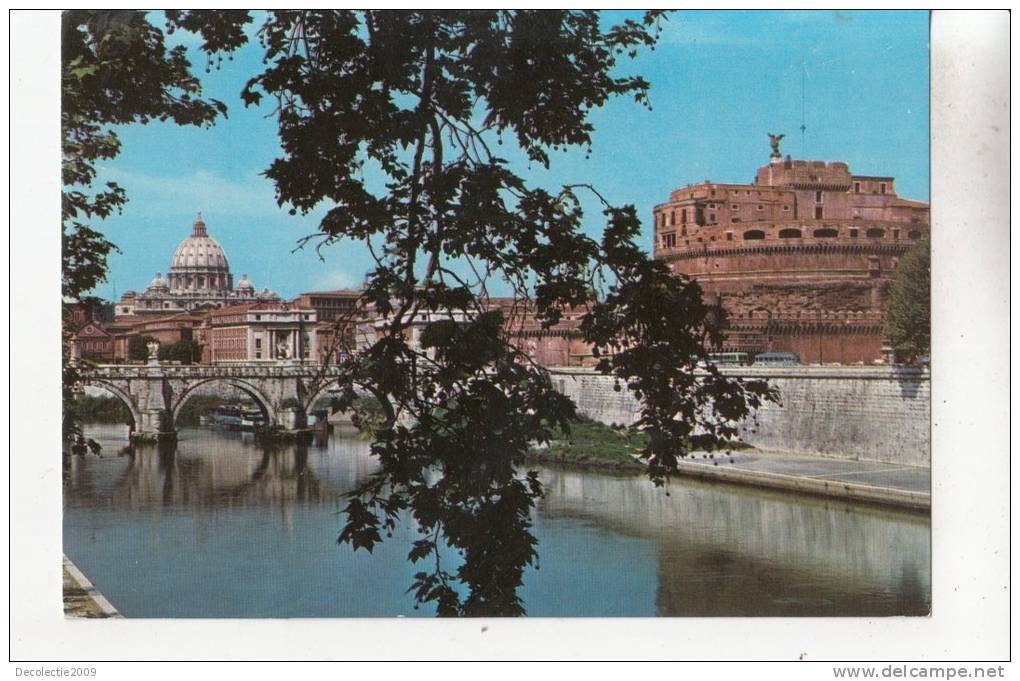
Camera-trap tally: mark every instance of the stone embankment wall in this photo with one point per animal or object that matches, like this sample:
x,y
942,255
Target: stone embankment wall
x,y
595,397
861,413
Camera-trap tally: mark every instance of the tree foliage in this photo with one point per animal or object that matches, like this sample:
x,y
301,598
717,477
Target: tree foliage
x,y
138,347
115,69
183,351
425,99
908,308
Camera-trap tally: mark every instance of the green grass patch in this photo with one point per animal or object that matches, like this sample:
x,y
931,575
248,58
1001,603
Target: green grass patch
x,y
593,444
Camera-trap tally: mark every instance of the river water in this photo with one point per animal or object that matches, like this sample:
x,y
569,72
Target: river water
x,y
216,526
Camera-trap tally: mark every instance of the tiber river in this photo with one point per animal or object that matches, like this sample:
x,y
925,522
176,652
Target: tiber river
x,y
219,527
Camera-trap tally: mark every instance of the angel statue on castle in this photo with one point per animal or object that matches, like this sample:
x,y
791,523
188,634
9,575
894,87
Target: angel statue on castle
x,y
774,141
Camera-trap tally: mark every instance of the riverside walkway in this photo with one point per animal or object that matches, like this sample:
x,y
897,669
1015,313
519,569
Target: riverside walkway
x,y
873,482
81,598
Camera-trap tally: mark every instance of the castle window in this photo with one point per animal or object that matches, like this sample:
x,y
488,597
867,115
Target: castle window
x,y
818,212
853,232
881,188
790,234
683,231
258,317
672,218
683,216
896,234
735,207
754,235
786,208
875,233
729,236
669,240
761,207
734,219
857,187
914,234
826,233
818,197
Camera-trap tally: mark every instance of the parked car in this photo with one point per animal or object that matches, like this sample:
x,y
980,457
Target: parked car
x,y
777,359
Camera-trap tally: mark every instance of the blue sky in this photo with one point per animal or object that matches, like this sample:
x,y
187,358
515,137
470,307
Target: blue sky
x,y
719,82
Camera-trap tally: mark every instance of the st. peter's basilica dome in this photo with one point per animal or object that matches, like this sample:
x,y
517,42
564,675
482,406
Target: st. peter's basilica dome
x,y
199,263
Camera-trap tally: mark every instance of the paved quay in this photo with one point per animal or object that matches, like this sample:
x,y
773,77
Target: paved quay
x,y
880,483
81,599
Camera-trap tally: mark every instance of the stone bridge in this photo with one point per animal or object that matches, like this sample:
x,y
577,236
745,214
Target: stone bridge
x,y
154,393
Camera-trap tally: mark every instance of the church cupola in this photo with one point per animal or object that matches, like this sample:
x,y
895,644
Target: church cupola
x,y
198,229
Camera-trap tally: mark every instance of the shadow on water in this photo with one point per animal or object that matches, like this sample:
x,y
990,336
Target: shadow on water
x,y
216,525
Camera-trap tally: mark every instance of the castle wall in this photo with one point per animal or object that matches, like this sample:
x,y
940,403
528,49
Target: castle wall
x,y
800,260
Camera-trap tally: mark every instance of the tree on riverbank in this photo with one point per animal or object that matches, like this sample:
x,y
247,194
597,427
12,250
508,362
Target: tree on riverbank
x,y
100,409
426,100
908,309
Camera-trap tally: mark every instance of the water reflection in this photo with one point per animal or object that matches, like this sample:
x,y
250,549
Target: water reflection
x,y
217,526
725,550
210,469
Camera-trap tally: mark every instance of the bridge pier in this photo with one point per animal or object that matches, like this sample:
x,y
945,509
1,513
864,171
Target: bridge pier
x,y
292,419
156,425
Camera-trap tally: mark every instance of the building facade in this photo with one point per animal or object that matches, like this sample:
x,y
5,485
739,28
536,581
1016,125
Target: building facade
x,y
560,345
166,329
329,305
92,343
799,260
199,278
260,332
338,315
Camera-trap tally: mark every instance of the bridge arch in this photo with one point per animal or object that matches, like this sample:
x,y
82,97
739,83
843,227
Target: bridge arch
x,y
122,395
318,393
264,404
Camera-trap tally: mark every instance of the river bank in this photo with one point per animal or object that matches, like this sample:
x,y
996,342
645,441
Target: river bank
x,y
593,446
81,599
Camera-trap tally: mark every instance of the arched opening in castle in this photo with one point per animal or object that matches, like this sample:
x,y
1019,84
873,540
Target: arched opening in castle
x,y
800,260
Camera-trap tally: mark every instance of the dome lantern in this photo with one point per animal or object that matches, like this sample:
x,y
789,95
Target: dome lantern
x,y
198,229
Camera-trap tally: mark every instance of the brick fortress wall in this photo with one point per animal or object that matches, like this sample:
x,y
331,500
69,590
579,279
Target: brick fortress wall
x,y
800,260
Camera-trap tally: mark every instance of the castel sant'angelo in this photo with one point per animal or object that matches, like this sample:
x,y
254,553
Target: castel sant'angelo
x,y
800,260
